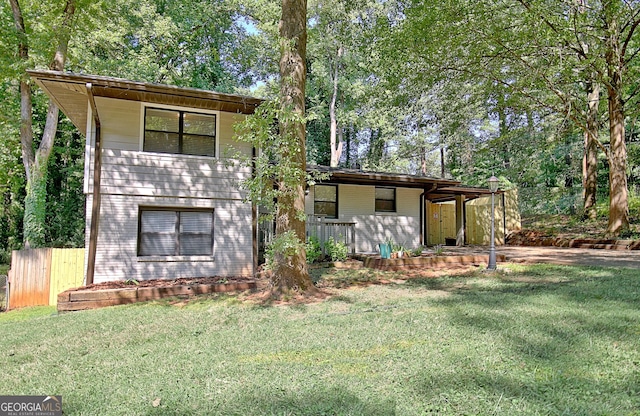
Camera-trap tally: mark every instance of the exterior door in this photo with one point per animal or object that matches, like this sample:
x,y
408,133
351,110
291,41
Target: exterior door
x,y
441,223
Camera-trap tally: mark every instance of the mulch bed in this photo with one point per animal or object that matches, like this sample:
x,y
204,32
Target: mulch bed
x,y
129,284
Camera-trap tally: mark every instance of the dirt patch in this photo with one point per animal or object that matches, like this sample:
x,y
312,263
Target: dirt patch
x,y
559,230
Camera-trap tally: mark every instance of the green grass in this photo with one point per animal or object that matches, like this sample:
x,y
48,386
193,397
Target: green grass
x,y
533,340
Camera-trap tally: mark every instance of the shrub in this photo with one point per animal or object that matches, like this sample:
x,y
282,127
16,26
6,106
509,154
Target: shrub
x,y
417,251
286,244
314,251
336,250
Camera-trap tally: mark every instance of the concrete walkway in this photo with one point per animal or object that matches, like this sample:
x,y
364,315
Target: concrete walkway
x,y
563,256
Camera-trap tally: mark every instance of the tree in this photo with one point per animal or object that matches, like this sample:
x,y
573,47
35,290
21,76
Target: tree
x,y
36,163
552,54
290,267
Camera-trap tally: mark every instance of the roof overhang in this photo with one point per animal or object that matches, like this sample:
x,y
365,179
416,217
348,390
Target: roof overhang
x,y
435,189
69,92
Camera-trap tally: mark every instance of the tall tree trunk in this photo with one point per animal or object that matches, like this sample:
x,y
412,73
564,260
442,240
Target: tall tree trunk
x,y
503,131
336,145
376,148
590,156
618,194
290,269
36,164
442,160
348,145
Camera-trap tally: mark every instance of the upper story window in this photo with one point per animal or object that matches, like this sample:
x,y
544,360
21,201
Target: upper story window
x,y
325,200
181,132
385,199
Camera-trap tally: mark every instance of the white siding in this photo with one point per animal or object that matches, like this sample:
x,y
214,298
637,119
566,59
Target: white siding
x,y
162,174
132,178
122,120
228,146
117,249
356,203
120,123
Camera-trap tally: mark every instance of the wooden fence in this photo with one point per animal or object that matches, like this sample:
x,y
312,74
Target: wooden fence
x,y
479,218
38,275
323,229
317,226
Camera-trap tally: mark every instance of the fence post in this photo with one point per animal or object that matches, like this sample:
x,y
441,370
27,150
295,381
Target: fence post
x,y
322,235
353,238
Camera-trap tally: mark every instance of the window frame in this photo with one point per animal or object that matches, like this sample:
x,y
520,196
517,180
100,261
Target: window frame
x,y
181,111
395,200
333,202
176,233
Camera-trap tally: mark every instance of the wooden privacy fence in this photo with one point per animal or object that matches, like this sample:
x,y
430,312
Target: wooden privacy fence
x,y
38,275
478,213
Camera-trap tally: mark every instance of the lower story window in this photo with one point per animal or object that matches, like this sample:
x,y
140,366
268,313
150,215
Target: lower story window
x,y
166,232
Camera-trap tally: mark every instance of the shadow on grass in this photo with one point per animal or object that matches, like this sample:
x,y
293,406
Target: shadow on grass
x,y
554,392
328,401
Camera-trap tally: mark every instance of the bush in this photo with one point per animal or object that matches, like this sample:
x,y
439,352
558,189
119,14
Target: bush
x,y
336,250
314,251
286,244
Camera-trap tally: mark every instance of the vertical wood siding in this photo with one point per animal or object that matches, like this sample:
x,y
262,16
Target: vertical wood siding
x,y
441,222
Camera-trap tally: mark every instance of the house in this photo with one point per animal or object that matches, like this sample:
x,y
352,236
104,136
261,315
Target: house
x,y
162,193
411,210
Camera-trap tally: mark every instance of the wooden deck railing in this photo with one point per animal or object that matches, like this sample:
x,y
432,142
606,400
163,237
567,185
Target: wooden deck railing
x,y
323,228
317,226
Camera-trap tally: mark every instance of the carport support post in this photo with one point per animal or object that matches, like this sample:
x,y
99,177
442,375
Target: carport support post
x,y
493,187
459,220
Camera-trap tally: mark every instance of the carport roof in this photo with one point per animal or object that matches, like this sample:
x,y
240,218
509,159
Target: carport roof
x,y
436,189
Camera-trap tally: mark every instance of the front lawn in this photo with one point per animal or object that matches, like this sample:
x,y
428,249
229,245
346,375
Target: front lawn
x,y
534,340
